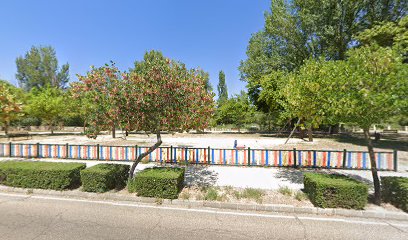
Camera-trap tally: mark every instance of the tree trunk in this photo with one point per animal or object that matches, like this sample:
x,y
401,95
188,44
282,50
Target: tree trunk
x,y
310,133
52,129
6,126
141,156
113,132
376,180
290,135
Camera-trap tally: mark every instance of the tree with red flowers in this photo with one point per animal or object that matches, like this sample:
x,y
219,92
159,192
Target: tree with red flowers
x,y
158,95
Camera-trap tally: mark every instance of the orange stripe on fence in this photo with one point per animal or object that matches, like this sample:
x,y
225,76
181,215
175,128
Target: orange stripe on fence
x,y
309,158
232,157
290,158
275,153
324,159
220,156
262,157
359,159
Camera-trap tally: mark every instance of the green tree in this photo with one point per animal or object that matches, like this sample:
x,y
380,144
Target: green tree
x,y
10,104
301,29
47,104
372,90
206,77
222,88
39,68
237,110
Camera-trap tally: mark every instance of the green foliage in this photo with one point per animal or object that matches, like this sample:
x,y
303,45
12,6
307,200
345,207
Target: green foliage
x,y
237,110
39,68
211,194
253,193
48,104
395,191
158,182
300,196
10,104
222,89
301,29
45,175
285,191
334,191
104,177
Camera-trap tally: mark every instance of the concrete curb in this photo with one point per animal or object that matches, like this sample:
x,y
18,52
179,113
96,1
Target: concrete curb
x,y
276,208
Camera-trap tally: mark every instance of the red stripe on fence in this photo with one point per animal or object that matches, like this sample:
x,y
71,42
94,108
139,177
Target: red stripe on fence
x,y
290,158
275,153
324,159
245,157
309,158
389,161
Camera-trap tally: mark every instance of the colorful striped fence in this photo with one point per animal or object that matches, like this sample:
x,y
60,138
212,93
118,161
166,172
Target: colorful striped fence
x,y
212,156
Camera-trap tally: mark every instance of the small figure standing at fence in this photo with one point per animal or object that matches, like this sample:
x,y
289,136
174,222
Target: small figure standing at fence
x,y
238,147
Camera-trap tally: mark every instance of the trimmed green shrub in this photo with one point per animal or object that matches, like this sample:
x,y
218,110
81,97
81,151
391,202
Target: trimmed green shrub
x,y
104,177
333,191
45,175
395,191
158,182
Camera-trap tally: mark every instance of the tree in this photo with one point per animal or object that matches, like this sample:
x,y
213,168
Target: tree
x,y
301,29
372,90
39,68
155,96
206,77
222,88
237,110
47,104
10,104
98,93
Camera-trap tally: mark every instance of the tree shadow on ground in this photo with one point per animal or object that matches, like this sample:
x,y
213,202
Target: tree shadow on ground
x,y
200,176
291,175
388,141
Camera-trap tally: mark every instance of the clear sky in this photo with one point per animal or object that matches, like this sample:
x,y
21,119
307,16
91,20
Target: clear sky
x,y
211,34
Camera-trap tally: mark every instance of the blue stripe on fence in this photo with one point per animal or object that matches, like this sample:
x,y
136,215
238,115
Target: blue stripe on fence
x,y
197,156
364,160
314,159
213,156
300,158
236,157
379,160
266,157
349,159
253,158
280,158
328,159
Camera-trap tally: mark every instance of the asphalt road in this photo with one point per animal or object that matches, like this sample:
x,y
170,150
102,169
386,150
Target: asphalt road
x,y
38,217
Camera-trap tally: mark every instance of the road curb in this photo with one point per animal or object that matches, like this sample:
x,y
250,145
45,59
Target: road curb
x,y
275,208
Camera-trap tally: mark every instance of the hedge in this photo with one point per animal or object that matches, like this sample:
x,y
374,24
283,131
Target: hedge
x,y
104,177
334,191
158,182
395,191
45,175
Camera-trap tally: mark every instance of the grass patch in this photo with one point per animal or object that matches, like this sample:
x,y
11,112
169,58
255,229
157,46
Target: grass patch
x,y
253,193
285,191
211,194
300,196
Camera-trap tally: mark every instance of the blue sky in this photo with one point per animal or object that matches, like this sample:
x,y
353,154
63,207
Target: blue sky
x,y
210,34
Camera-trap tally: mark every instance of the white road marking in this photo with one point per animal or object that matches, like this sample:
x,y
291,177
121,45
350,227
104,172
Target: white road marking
x,y
220,212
